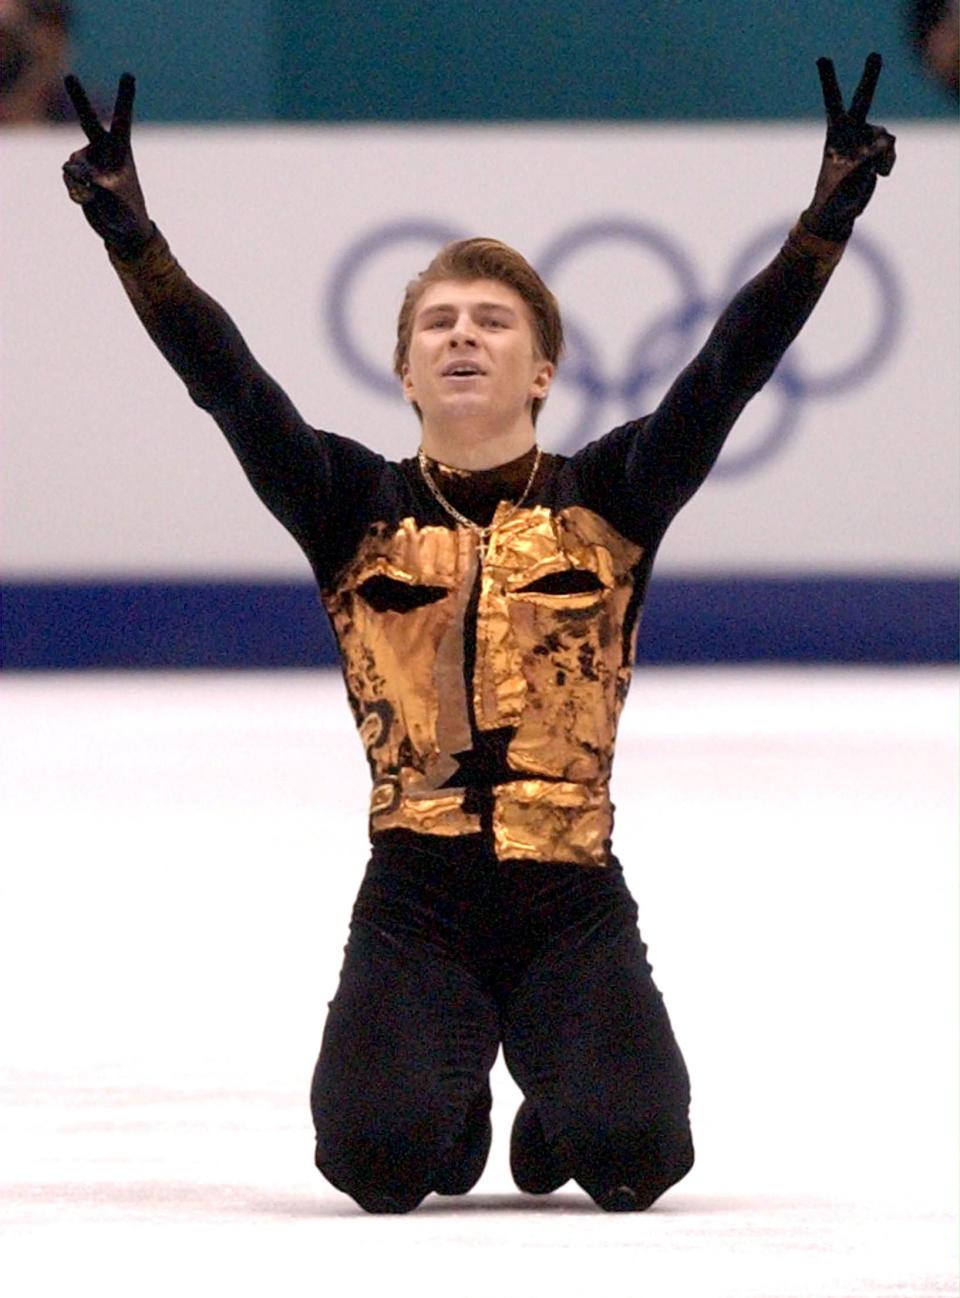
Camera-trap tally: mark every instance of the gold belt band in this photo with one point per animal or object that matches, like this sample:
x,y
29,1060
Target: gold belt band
x,y
533,820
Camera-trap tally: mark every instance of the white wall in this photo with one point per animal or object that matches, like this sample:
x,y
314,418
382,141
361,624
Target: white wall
x,y
109,471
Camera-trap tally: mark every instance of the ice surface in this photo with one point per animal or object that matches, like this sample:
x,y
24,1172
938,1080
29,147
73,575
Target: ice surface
x,y
180,855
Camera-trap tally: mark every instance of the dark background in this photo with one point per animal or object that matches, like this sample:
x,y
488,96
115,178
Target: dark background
x,y
431,60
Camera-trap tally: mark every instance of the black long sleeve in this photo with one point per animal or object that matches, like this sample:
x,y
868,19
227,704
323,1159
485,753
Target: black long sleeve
x,y
298,472
640,474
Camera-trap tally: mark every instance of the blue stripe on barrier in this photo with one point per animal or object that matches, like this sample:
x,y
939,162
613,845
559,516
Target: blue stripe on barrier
x,y
71,625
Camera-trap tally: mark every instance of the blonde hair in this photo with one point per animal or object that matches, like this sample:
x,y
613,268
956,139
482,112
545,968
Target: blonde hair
x,y
486,259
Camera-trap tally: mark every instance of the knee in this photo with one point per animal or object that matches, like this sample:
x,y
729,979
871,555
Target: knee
x,y
385,1168
364,1191
627,1167
372,1176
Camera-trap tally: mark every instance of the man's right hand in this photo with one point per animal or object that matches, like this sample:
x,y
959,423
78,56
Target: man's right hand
x,y
102,177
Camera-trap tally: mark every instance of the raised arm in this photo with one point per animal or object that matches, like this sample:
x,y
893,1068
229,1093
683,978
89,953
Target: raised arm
x,y
194,333
660,461
289,464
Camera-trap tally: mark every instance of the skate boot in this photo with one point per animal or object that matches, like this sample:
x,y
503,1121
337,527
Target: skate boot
x,y
534,1168
464,1164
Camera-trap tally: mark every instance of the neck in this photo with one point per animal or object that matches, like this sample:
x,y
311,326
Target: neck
x,y
465,447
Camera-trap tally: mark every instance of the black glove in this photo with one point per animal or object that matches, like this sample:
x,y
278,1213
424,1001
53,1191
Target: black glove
x,y
102,177
855,154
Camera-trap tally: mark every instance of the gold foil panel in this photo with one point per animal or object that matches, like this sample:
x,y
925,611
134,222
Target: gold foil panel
x,y
440,815
404,672
538,821
550,667
553,666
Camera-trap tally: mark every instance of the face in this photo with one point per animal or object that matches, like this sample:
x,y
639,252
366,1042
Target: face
x,y
473,354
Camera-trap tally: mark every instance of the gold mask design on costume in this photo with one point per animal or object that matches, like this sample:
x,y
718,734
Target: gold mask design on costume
x,y
552,670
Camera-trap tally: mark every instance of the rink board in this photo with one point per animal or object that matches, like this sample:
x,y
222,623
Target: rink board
x,y
842,472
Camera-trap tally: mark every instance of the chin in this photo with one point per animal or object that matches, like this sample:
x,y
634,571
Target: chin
x,y
466,406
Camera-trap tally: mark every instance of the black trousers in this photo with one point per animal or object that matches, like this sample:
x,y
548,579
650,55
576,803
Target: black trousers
x,y
452,955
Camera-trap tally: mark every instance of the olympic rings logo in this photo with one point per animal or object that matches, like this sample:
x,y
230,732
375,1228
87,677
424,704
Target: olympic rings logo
x,y
662,346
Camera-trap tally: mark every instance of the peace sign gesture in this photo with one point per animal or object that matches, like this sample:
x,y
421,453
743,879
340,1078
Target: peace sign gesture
x,y
102,177
854,155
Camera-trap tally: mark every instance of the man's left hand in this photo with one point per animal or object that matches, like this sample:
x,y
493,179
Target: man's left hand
x,y
855,154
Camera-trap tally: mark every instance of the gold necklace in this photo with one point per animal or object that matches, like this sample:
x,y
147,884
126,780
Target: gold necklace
x,y
483,533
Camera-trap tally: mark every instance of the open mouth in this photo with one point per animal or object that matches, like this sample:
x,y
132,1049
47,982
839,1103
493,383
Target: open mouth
x,y
462,370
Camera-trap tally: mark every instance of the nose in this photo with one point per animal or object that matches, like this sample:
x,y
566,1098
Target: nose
x,y
463,332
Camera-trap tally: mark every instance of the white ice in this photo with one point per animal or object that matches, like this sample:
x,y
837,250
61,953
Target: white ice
x,y
180,853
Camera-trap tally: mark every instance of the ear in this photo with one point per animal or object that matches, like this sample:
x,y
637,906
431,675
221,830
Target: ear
x,y
409,394
542,379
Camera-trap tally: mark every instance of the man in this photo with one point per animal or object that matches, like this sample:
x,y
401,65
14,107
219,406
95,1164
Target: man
x,y
486,598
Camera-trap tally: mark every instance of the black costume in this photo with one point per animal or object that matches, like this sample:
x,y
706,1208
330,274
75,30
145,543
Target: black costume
x,y
486,688
487,683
